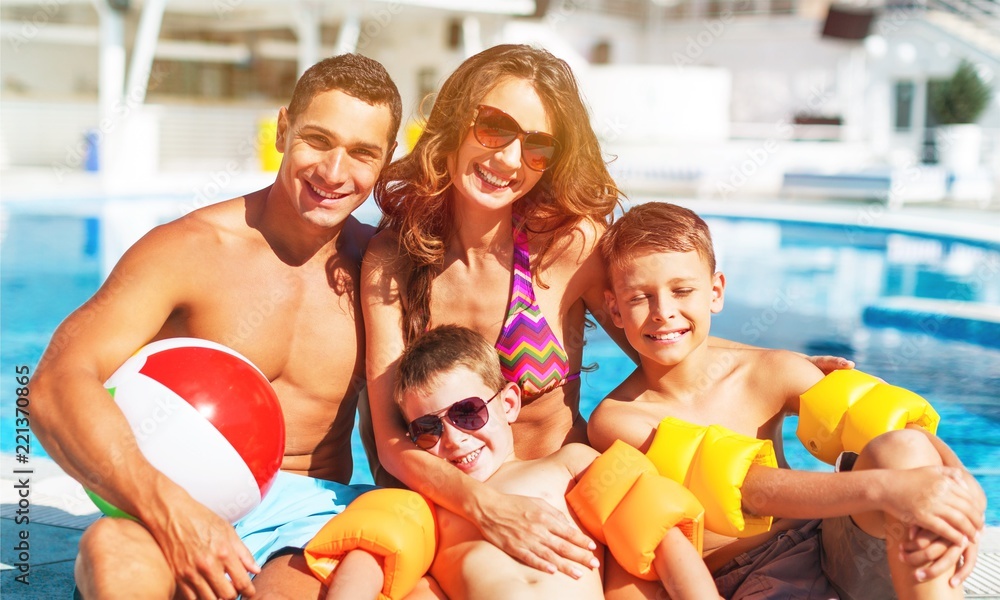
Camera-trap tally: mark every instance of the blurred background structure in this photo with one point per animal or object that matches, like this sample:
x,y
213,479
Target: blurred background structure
x,y
727,99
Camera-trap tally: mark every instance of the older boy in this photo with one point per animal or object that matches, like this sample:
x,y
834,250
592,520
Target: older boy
x,y
273,274
459,407
664,289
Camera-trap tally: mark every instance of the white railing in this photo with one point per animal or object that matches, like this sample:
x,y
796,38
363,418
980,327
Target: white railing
x,y
983,12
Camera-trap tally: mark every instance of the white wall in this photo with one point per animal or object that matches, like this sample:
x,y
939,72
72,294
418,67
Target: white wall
x,y
40,68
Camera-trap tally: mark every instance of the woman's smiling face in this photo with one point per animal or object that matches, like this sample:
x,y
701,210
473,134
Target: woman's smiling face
x,y
496,177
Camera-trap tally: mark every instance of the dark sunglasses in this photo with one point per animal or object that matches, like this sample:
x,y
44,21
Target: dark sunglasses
x,y
494,128
470,414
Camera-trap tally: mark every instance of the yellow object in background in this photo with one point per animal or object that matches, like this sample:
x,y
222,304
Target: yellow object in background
x,y
412,134
267,131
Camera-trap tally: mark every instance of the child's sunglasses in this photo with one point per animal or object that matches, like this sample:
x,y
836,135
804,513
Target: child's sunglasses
x,y
494,129
470,414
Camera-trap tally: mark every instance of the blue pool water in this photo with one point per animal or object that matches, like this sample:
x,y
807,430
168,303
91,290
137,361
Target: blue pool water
x,y
799,286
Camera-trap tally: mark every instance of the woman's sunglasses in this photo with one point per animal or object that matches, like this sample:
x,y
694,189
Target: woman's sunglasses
x,y
494,128
470,414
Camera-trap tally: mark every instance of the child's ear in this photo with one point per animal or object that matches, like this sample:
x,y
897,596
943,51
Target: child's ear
x,y
511,399
611,302
718,291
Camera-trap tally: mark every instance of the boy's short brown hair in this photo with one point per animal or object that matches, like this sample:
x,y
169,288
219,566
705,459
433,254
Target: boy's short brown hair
x,y
442,349
655,227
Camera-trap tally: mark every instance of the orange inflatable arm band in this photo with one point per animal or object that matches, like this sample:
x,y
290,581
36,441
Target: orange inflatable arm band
x,y
622,501
396,526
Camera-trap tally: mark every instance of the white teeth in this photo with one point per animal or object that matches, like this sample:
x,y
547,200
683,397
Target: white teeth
x,y
328,195
468,458
673,335
492,179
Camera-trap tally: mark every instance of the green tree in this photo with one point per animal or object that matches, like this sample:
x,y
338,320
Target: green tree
x,y
961,99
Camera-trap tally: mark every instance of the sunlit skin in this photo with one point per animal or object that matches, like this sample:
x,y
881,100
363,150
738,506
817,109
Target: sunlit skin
x,y
333,153
496,177
487,185
467,566
487,455
664,303
273,275
477,453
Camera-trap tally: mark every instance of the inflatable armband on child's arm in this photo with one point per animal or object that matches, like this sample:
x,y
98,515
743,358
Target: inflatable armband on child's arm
x,y
848,408
396,526
712,462
623,502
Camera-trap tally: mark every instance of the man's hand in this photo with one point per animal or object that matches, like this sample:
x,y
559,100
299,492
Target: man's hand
x,y
535,533
202,549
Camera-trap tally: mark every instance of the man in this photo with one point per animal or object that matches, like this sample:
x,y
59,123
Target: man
x,y
273,275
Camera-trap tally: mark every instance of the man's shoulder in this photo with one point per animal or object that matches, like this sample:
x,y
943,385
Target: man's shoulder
x,y
210,222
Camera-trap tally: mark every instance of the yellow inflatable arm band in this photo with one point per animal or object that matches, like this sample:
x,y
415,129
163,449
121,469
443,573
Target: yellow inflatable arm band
x,y
396,526
848,408
622,501
713,462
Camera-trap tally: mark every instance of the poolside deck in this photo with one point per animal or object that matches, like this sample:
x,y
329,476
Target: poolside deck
x,y
60,511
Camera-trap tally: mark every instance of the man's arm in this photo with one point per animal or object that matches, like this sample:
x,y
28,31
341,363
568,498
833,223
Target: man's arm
x,y
86,433
528,529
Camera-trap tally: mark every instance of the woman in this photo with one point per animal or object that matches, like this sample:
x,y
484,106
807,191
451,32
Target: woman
x,y
491,223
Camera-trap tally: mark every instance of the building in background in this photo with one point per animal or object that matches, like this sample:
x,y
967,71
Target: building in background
x,y
728,99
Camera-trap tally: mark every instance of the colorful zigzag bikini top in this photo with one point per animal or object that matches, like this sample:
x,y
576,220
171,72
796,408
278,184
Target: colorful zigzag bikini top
x,y
530,354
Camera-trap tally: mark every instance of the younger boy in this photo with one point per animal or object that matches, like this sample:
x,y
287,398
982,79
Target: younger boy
x,y
459,407
664,289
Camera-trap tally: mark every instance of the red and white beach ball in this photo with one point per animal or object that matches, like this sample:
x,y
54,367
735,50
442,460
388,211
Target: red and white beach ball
x,y
205,417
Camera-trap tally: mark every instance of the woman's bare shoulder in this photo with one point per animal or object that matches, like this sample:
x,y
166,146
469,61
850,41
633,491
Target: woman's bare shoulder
x,y
385,254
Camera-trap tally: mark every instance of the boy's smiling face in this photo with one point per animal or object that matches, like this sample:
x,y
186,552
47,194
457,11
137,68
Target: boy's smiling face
x,y
478,453
664,301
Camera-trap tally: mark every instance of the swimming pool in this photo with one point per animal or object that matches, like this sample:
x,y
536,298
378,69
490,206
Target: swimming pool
x,y
814,288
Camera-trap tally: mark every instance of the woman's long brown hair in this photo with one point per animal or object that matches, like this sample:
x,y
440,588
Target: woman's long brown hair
x,y
414,192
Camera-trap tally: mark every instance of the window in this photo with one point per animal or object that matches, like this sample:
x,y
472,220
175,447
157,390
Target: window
x,y
904,94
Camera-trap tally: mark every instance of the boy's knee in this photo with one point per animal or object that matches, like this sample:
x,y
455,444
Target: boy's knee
x,y
901,449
